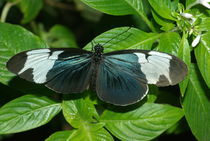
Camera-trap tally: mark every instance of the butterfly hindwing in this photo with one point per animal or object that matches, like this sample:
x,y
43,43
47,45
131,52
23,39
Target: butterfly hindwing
x,y
119,81
63,70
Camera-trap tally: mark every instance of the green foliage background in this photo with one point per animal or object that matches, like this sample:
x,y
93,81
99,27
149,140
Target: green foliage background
x,y
155,25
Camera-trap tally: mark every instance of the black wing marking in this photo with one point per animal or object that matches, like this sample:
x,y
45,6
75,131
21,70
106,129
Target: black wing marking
x,y
117,82
63,70
159,68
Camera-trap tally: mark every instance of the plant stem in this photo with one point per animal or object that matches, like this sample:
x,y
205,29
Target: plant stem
x,y
6,9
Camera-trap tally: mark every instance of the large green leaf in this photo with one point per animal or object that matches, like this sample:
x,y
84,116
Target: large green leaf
x,y
184,54
124,38
78,112
122,7
169,42
30,9
27,112
143,123
196,105
14,39
118,7
164,8
202,54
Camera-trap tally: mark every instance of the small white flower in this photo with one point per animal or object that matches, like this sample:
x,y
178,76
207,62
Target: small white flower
x,y
204,3
196,40
187,15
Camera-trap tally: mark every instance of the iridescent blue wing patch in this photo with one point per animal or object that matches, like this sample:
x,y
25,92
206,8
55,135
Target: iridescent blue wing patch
x,y
120,81
62,70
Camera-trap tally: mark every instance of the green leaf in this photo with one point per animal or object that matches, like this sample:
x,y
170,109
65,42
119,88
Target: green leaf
x,y
61,136
166,24
124,38
14,39
196,106
30,9
143,123
84,134
27,112
60,37
122,7
91,132
173,5
78,112
184,54
169,42
164,8
205,24
116,7
202,54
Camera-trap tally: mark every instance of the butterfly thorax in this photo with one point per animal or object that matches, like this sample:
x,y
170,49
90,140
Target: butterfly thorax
x,y
98,52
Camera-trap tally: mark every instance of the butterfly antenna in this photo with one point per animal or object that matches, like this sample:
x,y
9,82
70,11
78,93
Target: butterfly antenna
x,y
117,36
92,45
123,39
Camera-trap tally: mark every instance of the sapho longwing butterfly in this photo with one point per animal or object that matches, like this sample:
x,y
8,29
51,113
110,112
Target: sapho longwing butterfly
x,y
118,77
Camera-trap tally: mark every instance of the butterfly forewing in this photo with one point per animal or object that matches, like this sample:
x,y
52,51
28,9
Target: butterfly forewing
x,y
63,70
158,68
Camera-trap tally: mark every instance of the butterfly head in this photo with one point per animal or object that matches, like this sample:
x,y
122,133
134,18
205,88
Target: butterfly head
x,y
98,49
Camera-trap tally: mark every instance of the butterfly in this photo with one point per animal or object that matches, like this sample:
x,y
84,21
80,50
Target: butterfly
x,y
118,77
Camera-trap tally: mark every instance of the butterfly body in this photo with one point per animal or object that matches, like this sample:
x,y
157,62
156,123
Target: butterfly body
x,y
118,77
98,53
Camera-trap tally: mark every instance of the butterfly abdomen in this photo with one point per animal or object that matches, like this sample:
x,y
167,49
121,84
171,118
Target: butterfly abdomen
x,y
97,58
